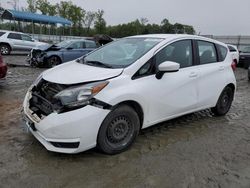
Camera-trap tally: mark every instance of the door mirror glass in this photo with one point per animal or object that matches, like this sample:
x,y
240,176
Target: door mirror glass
x,y
167,66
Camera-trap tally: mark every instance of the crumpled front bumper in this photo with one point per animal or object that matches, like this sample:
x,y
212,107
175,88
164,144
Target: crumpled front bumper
x,y
35,59
59,132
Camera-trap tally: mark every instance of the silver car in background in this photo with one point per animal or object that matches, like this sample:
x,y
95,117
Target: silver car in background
x,y
13,41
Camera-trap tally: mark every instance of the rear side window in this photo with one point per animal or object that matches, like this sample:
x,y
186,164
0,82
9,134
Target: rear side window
x,y
1,33
232,49
26,38
207,52
14,36
222,52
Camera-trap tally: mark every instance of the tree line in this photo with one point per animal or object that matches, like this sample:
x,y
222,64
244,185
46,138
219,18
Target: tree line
x,y
89,23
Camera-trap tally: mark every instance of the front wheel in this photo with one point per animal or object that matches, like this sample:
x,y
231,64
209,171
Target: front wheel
x,y
119,130
224,102
53,61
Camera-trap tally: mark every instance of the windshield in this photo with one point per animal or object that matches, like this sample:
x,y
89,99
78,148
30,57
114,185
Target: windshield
x,y
246,49
64,44
121,53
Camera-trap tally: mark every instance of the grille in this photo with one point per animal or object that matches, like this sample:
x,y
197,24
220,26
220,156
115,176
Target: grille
x,y
42,102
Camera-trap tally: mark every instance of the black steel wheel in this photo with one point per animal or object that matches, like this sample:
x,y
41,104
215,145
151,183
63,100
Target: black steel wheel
x,y
224,103
53,61
5,49
119,130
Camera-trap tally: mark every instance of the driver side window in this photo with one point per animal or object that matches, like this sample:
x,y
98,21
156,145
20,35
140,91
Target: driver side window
x,y
76,45
179,52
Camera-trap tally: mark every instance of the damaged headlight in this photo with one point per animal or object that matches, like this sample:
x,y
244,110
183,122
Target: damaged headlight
x,y
79,96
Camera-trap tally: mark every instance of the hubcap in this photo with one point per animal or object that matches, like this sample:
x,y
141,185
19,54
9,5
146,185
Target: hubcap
x,y
119,132
4,50
53,61
225,101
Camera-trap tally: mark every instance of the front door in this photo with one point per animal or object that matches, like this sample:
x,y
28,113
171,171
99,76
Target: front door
x,y
175,93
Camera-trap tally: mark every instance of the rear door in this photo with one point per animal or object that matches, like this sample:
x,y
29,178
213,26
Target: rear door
x,y
212,76
28,42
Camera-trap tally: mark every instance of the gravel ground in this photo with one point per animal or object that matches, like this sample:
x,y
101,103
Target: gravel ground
x,y
197,150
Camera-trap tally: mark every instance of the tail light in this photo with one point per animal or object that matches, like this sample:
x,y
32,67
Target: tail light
x,y
234,65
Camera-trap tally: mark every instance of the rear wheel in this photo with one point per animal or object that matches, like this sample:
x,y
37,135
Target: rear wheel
x,y
53,61
5,49
224,103
119,130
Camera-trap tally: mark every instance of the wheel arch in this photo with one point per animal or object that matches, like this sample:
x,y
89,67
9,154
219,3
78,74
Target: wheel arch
x,y
6,44
232,86
136,106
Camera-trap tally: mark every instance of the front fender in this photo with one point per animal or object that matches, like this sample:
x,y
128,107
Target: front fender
x,y
122,89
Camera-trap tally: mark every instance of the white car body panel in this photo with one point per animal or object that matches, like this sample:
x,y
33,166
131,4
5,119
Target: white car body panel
x,y
177,93
235,54
81,73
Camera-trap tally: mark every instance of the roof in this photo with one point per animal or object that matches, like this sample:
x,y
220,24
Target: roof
x,y
33,17
171,37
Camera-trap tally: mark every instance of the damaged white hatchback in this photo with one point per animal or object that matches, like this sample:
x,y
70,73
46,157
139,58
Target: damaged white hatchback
x,y
106,97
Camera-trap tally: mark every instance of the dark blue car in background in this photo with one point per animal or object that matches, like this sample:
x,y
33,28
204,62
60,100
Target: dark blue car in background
x,y
52,55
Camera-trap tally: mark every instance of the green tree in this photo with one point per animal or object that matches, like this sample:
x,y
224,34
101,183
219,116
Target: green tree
x,y
100,23
31,6
43,6
166,26
89,20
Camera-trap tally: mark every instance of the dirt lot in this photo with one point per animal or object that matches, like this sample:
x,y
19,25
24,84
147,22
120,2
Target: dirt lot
x,y
197,150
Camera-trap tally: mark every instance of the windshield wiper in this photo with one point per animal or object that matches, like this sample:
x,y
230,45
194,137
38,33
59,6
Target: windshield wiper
x,y
97,63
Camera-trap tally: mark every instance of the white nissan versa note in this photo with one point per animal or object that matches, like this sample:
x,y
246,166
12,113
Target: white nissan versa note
x,y
107,96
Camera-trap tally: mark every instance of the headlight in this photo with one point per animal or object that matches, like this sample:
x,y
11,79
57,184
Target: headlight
x,y
80,95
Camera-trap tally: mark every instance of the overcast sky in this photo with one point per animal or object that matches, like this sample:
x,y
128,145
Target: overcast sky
x,y
218,17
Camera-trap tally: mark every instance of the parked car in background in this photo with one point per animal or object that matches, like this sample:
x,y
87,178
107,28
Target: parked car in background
x,y
235,53
105,98
12,41
3,68
245,57
52,55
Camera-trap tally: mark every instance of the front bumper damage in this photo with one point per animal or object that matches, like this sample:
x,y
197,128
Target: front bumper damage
x,y
36,58
69,132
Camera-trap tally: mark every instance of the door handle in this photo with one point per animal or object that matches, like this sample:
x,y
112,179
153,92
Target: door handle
x,y
193,74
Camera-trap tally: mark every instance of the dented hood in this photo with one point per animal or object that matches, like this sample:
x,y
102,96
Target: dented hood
x,y
74,73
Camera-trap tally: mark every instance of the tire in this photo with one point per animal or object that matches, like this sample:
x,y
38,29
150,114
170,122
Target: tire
x,y
118,130
53,61
224,102
5,49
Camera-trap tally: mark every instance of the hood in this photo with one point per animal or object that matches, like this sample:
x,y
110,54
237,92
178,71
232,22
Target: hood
x,y
74,73
47,47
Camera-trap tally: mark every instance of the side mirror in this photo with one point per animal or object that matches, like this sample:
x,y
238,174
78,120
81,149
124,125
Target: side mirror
x,y
69,48
167,66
